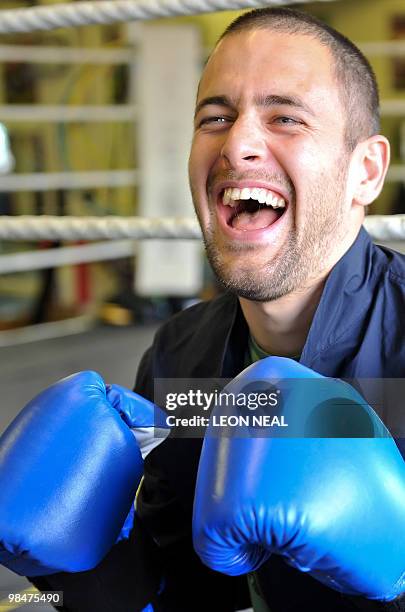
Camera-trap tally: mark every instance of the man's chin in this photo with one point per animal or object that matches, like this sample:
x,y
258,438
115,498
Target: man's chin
x,y
253,276
259,294
251,286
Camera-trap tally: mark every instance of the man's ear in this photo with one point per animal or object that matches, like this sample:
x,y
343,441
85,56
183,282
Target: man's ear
x,y
372,161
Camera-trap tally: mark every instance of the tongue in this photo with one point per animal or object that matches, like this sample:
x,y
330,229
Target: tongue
x,y
253,221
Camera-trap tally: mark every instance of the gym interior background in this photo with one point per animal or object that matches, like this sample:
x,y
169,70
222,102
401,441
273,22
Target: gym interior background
x,y
89,129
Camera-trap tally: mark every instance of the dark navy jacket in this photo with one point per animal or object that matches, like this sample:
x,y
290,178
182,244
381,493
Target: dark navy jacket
x,y
357,332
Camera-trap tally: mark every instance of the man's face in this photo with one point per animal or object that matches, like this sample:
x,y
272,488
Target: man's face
x,y
270,127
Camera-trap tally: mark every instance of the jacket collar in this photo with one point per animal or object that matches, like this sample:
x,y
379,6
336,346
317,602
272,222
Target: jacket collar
x,y
344,301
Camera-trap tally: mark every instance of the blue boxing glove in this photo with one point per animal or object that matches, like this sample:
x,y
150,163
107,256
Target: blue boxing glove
x,y
70,464
332,506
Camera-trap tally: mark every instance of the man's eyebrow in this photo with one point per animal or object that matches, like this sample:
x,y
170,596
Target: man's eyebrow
x,y
217,100
274,100
261,100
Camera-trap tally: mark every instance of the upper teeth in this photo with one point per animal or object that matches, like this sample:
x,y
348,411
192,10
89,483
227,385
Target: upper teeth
x,y
263,196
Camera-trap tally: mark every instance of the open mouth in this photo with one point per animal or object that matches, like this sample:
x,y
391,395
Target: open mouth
x,y
250,209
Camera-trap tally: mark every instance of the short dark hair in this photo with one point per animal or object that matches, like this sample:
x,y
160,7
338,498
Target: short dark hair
x,y
353,72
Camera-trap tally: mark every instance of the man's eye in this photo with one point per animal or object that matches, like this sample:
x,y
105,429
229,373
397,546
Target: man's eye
x,y
213,120
287,120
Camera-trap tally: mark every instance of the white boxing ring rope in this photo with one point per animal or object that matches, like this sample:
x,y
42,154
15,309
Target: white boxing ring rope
x,y
47,227
44,227
113,11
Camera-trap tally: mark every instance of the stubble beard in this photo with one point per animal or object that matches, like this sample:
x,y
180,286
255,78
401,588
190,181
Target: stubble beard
x,y
301,257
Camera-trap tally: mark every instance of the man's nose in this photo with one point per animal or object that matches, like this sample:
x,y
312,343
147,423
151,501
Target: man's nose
x,y
245,144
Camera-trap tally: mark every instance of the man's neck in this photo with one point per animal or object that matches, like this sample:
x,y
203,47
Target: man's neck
x,y
281,327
